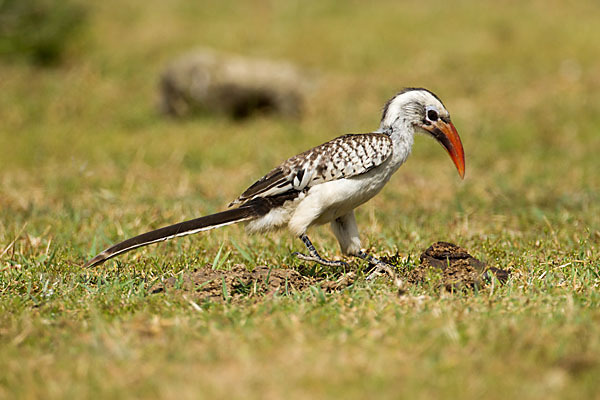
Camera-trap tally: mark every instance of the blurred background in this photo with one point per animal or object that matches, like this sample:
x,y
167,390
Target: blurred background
x,y
87,159
85,148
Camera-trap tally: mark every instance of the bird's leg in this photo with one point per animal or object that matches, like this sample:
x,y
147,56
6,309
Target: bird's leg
x,y
346,232
380,266
314,256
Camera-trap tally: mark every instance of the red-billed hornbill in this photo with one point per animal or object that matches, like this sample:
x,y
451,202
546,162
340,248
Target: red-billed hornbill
x,y
326,183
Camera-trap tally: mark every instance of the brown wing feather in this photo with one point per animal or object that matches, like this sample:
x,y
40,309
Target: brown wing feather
x,y
342,157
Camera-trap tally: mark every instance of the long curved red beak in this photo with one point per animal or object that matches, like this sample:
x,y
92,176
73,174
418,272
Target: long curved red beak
x,y
446,134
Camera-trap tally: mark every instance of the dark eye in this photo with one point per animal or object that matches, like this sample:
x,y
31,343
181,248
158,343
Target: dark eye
x,y
432,115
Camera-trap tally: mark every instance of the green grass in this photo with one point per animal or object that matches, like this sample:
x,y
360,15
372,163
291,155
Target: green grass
x,y
86,161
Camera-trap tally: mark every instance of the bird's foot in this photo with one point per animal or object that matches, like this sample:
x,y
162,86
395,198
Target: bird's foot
x,y
318,259
315,257
380,268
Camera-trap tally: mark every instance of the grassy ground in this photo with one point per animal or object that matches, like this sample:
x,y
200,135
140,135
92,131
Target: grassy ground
x,y
86,161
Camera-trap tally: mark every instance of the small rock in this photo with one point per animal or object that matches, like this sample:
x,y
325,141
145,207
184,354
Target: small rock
x,y
205,81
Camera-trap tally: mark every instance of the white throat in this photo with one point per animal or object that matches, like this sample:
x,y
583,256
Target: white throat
x,y
402,133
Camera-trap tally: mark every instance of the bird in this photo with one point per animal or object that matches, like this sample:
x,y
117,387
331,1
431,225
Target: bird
x,y
327,183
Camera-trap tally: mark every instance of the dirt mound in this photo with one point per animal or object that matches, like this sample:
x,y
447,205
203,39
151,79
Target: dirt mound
x,y
453,266
238,282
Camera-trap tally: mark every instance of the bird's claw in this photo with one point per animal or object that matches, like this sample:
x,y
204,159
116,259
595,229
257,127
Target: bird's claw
x,y
381,268
320,260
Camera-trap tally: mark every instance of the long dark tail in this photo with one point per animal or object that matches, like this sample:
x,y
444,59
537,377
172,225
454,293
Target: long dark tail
x,y
243,213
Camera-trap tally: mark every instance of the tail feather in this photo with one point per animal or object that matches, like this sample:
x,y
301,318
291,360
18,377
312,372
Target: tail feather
x,y
190,227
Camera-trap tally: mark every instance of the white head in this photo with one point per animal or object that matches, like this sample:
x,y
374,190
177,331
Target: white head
x,y
417,110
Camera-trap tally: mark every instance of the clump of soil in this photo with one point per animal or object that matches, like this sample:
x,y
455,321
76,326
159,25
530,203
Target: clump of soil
x,y
455,268
207,284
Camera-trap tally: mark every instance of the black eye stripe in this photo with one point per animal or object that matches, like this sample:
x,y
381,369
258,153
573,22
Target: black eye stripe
x,y
432,115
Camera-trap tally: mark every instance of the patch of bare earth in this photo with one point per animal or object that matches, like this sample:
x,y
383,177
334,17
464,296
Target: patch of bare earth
x,y
446,264
207,284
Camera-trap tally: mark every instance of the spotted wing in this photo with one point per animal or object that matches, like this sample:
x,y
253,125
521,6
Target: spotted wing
x,y
343,157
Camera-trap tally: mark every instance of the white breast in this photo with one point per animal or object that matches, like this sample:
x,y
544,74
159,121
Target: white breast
x,y
327,201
